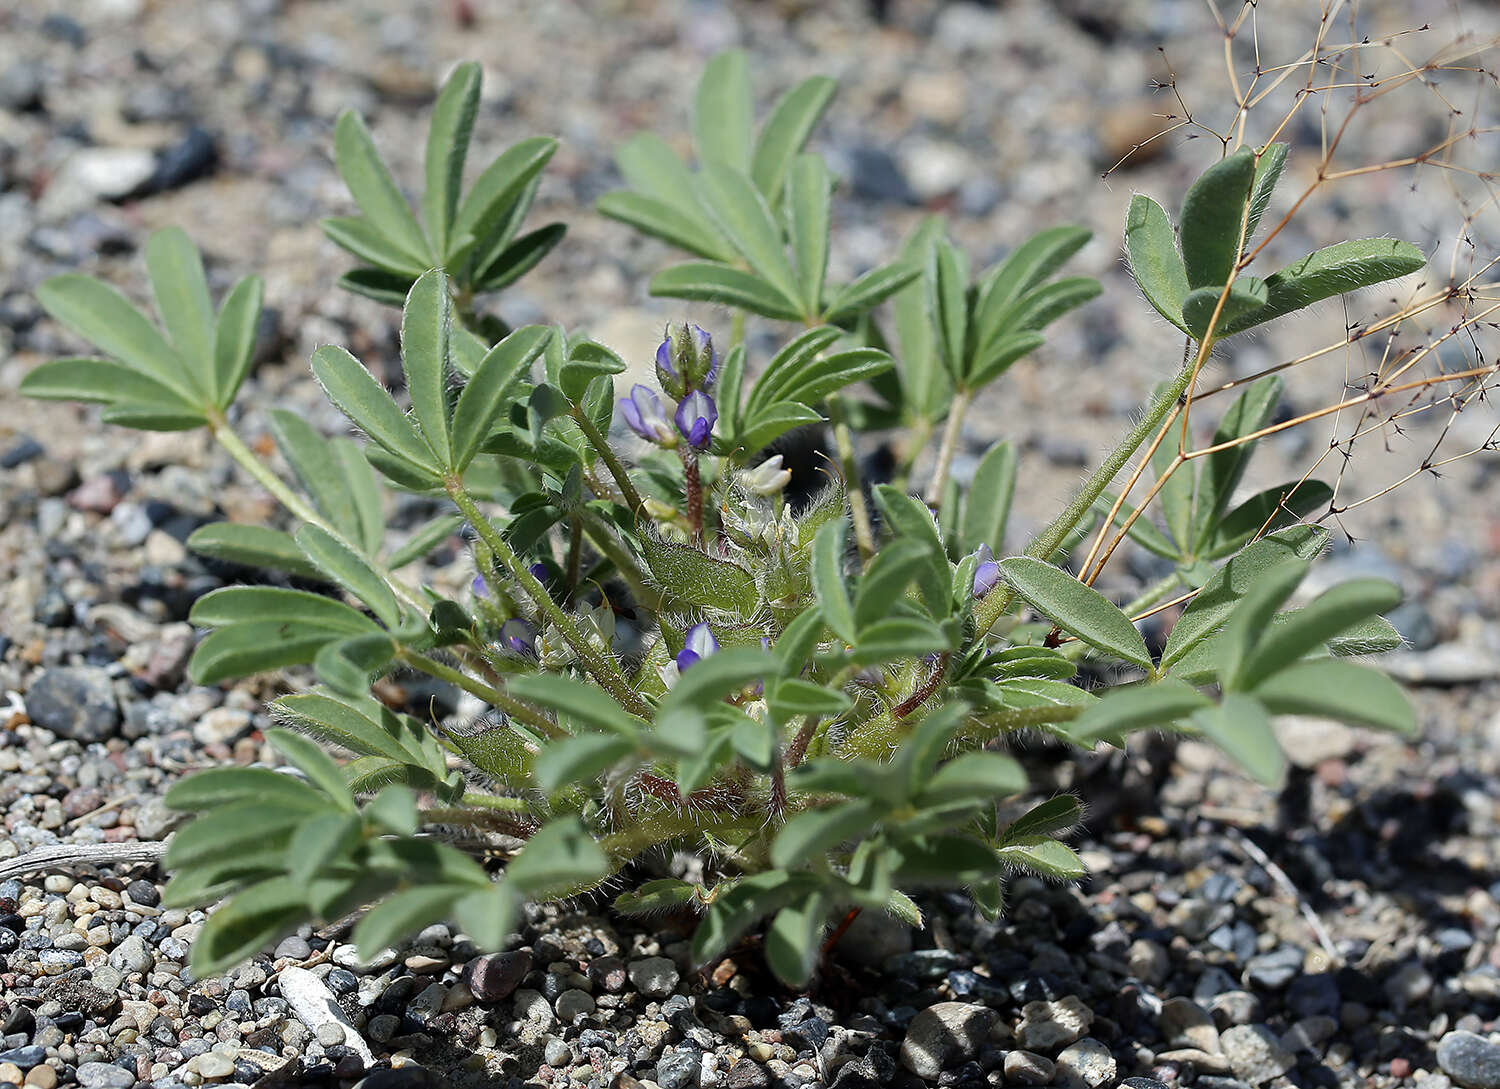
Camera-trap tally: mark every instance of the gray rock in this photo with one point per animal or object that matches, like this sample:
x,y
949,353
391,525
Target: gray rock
x,y
654,977
944,1035
495,978
76,702
1408,985
1026,1068
1085,1065
1184,1023
1255,1054
679,1068
1309,1034
557,1052
294,948
1148,961
24,1057
104,1076
132,955
1471,1061
1047,1025
573,1004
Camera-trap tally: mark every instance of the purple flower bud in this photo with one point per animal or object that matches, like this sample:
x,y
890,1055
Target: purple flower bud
x,y
645,416
518,637
695,417
479,587
698,644
666,373
703,375
541,572
987,574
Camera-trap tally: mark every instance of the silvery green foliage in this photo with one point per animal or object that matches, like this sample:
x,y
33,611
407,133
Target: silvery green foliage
x,y
672,652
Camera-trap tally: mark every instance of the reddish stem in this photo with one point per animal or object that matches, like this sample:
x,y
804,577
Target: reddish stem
x,y
928,687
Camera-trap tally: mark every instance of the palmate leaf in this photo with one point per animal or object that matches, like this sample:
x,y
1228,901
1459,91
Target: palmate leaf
x,y
232,605
1267,511
102,381
1268,167
378,284
1333,611
487,392
490,202
244,649
886,578
519,257
1025,269
219,787
104,317
792,939
336,475
578,701
403,913
782,371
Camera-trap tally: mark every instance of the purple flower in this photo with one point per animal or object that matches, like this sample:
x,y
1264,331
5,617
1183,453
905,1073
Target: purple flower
x,y
541,572
987,574
706,360
518,637
695,417
645,416
699,643
479,587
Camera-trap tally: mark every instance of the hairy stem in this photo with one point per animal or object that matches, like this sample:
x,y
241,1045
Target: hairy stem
x,y
603,669
951,433
1047,542
611,460
864,531
521,712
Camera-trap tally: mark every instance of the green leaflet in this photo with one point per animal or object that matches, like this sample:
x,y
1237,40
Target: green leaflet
x,y
1242,728
425,325
354,390
722,112
1078,609
1333,270
181,291
1151,248
1213,213
725,285
447,147
988,506
1246,295
786,130
808,212
375,191
741,213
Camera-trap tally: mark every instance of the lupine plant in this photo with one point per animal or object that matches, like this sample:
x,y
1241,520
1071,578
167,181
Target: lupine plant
x,y
815,693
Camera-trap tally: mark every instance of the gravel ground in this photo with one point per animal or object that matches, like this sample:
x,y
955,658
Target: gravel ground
x,y
1340,932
